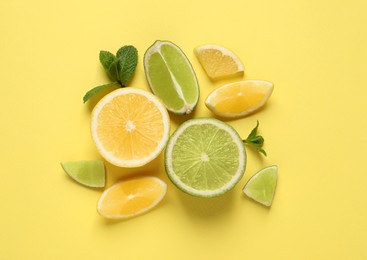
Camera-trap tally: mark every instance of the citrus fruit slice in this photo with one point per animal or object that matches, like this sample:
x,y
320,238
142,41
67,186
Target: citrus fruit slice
x,y
239,98
205,157
171,77
88,173
131,198
261,186
218,62
130,127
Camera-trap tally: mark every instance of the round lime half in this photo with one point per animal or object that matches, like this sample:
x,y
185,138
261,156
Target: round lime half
x,y
205,157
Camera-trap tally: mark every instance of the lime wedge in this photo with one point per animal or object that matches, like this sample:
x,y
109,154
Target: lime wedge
x,y
88,173
261,186
171,77
205,157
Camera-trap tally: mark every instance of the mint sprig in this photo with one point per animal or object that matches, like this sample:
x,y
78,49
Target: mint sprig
x,y
119,68
255,141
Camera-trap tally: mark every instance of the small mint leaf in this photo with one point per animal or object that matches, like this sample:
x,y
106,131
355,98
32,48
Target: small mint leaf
x,y
113,71
128,60
106,58
255,141
95,90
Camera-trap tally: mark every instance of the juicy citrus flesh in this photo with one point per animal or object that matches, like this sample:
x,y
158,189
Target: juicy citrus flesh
x,y
89,173
171,77
261,187
205,157
131,198
219,62
239,98
130,127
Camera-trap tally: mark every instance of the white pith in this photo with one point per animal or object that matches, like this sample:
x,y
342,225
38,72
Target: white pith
x,y
109,157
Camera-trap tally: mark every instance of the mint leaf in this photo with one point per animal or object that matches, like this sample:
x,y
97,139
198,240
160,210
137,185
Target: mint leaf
x,y
95,90
113,71
128,60
106,58
255,141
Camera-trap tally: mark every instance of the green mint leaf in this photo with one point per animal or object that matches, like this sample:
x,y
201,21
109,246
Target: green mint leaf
x,y
113,71
255,141
128,60
95,90
106,58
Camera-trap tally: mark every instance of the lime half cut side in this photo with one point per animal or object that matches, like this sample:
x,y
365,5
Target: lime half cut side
x,y
171,77
205,157
261,186
88,173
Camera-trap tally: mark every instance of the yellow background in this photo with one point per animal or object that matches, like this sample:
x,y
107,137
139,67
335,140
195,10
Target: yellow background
x,y
314,126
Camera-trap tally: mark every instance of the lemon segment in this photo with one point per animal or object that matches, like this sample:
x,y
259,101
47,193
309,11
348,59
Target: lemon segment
x,y
219,62
131,198
239,99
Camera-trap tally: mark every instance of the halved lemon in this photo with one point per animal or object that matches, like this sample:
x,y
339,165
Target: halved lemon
x,y
239,98
218,62
131,198
130,127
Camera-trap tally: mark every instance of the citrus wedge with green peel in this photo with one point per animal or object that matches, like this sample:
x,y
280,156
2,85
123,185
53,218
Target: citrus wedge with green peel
x,y
89,173
171,77
205,157
261,186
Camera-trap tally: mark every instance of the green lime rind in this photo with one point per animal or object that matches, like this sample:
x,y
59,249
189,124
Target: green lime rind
x,y
261,187
171,77
88,173
205,157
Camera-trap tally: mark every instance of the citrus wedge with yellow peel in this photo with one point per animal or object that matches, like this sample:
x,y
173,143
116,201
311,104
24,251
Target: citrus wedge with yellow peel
x,y
239,99
89,173
131,198
261,186
130,127
219,62
171,77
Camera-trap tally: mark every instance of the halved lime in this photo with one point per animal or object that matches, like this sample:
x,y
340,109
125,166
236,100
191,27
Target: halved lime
x,y
88,173
261,186
171,77
205,157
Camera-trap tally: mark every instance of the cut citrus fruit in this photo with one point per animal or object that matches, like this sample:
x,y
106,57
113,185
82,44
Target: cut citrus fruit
x,y
239,98
88,173
218,62
171,77
131,198
205,157
261,186
130,127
